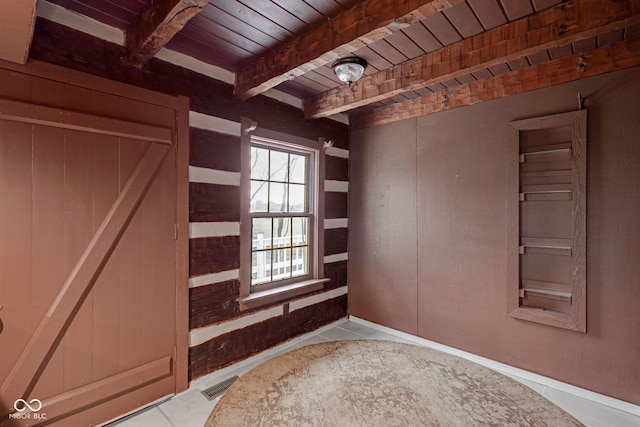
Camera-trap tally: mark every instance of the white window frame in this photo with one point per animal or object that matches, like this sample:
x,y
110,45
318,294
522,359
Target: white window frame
x,y
281,290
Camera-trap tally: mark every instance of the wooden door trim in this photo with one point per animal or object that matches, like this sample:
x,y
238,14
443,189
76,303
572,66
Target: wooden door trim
x,y
88,81
56,117
46,337
182,245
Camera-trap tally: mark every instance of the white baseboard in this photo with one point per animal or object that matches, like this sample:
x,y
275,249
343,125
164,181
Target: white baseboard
x,y
509,370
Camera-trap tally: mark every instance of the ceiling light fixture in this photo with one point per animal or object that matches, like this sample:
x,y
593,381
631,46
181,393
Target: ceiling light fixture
x,y
349,69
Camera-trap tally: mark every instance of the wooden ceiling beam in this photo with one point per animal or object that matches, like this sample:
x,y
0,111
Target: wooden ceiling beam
x,y
365,23
622,55
17,22
566,23
156,25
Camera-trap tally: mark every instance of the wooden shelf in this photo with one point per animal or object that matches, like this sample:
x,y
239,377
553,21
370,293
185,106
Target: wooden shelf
x,y
550,197
547,174
556,295
546,155
545,192
546,148
556,291
547,188
545,246
544,250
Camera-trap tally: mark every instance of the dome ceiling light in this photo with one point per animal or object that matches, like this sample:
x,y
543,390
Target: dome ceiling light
x,y
349,69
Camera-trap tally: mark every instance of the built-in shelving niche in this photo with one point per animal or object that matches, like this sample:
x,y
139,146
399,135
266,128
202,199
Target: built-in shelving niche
x,y
547,213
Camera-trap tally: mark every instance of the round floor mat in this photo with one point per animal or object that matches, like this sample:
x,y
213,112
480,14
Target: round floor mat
x,y
380,384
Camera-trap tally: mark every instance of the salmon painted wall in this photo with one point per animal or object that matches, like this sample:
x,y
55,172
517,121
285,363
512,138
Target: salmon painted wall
x,y
220,333
428,241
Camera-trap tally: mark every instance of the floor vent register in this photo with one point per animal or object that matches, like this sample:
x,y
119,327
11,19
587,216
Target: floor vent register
x,y
217,390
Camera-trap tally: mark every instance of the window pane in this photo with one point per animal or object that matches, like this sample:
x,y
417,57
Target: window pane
x,y
297,169
261,231
300,230
259,196
301,262
282,232
297,198
259,163
262,272
281,264
279,166
277,197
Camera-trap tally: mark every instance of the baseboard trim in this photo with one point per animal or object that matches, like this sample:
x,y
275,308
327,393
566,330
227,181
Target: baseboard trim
x,y
509,370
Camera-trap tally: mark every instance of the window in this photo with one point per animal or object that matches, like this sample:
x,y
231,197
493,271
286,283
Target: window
x,y
547,261
280,213
280,217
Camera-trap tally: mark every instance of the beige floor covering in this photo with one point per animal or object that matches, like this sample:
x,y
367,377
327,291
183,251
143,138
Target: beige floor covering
x,y
380,384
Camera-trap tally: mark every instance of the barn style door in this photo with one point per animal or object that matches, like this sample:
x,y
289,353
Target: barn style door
x,y
90,254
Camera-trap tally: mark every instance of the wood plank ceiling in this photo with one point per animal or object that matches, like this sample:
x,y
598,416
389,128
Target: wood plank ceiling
x,y
423,56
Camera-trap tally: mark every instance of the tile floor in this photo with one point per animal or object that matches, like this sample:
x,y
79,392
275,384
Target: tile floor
x,y
191,408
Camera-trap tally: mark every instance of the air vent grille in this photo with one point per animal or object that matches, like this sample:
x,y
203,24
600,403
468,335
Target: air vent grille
x,y
217,390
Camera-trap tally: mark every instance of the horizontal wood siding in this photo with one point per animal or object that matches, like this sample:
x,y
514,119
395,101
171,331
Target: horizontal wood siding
x,y
214,150
214,192
226,349
213,203
335,205
337,168
335,241
337,274
213,254
213,303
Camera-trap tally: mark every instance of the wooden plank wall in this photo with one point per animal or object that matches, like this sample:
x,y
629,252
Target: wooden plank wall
x,y
458,278
220,333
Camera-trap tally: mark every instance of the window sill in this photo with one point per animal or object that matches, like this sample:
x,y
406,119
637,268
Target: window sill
x,y
281,294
